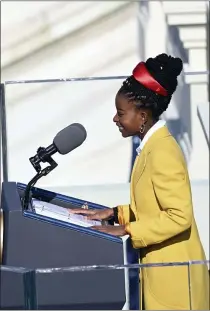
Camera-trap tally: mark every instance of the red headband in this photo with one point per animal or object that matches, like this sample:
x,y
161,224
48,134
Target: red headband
x,y
142,75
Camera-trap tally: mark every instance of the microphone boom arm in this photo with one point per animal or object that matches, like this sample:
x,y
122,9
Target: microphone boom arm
x,y
41,156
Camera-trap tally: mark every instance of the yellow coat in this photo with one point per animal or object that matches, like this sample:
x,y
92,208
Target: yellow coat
x,y
165,228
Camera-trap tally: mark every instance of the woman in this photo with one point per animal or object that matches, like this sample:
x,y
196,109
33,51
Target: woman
x,y
160,218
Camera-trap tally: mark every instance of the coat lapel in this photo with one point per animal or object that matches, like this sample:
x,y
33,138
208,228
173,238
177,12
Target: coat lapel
x,y
139,168
141,160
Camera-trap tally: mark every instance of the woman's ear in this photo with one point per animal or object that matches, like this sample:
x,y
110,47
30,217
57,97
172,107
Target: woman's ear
x,y
144,117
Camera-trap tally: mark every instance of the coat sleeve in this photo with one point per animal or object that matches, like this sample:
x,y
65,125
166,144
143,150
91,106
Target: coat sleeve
x,y
173,194
123,214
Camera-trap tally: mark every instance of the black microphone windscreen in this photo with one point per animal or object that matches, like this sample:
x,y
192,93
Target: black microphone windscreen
x,y
70,138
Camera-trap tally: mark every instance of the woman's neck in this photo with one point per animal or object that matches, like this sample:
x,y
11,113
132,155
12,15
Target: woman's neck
x,y
148,126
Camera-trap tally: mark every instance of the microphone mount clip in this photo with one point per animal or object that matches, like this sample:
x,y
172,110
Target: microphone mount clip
x,y
43,155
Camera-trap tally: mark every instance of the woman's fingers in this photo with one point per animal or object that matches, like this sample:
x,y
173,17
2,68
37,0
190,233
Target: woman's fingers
x,y
81,211
99,228
95,216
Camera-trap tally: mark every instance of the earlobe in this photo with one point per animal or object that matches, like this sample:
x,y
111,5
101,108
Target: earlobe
x,y
142,128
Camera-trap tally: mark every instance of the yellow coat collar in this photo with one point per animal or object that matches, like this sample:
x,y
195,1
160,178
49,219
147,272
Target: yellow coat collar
x,y
141,159
160,133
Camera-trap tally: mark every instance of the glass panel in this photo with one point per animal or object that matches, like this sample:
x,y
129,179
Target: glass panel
x,y
35,112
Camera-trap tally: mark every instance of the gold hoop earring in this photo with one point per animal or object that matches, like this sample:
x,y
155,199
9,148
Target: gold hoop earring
x,y
142,129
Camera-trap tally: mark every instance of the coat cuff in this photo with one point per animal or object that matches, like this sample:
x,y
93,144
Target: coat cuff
x,y
136,242
123,214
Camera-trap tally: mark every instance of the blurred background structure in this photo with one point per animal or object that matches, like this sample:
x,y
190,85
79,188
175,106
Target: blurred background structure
x,y
64,39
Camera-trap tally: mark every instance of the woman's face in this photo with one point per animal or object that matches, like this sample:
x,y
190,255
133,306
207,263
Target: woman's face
x,y
128,118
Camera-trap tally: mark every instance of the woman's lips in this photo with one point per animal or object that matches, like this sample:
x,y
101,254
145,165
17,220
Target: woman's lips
x,y
120,128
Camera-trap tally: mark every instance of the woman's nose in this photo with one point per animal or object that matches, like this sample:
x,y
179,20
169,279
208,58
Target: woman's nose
x,y
116,119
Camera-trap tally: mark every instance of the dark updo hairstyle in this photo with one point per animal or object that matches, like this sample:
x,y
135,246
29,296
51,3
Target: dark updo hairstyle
x,y
165,70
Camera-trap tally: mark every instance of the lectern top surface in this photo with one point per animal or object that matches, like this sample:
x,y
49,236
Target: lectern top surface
x,y
53,208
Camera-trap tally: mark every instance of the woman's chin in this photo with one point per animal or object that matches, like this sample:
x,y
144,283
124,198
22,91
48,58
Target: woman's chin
x,y
124,134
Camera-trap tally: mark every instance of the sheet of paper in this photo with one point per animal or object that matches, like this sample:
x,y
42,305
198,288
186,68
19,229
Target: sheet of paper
x,y
61,213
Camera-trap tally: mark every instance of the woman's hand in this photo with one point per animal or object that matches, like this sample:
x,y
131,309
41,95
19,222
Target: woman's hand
x,y
94,214
113,230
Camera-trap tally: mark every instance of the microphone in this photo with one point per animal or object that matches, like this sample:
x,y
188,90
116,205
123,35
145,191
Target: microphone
x,y
64,142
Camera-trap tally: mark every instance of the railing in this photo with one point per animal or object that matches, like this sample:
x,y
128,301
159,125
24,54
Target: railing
x,y
192,73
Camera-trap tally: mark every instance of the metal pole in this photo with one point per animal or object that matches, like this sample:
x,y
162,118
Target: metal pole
x,y
189,286
1,168
29,282
207,39
3,132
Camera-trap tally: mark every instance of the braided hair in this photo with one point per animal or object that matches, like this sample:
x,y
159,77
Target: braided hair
x,y
165,70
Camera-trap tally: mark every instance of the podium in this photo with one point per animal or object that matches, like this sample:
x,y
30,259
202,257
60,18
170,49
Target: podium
x,y
34,241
